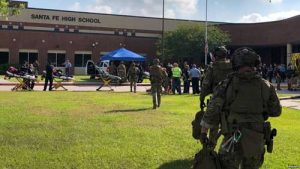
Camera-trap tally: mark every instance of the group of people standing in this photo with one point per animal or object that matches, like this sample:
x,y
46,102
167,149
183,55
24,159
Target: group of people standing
x,y
133,74
174,75
280,73
34,69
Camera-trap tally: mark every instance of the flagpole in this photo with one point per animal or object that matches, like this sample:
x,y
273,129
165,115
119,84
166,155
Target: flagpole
x,y
206,42
163,30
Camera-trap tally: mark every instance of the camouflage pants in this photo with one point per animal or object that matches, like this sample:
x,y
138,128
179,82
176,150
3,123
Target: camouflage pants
x,y
122,75
213,134
248,153
156,95
234,161
133,84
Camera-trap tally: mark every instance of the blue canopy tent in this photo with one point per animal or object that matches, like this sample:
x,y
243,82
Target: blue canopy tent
x,y
123,54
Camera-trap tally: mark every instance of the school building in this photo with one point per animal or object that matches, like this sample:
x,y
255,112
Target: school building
x,y
56,35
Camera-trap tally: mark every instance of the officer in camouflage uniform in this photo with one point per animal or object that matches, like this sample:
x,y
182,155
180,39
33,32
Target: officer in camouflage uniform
x,y
133,74
156,78
241,104
214,74
121,70
112,69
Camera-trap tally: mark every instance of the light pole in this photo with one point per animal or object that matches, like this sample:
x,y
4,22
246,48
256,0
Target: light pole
x,y
206,43
163,30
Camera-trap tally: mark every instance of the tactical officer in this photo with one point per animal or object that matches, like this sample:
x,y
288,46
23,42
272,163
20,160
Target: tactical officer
x,y
122,71
133,74
156,78
112,69
241,104
215,73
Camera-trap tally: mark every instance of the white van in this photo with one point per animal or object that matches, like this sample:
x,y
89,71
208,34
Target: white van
x,y
90,69
104,65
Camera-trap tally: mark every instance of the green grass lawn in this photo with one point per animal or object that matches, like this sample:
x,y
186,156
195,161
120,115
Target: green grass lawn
x,y
113,130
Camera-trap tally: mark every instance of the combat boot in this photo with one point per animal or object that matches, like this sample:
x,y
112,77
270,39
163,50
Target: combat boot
x,y
154,101
158,100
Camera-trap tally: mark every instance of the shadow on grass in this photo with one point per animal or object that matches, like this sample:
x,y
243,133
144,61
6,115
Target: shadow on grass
x,y
128,110
177,164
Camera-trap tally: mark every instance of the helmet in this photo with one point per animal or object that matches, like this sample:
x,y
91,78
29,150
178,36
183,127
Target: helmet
x,y
155,61
245,57
220,52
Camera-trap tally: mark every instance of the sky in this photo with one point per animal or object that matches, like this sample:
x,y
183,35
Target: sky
x,y
236,11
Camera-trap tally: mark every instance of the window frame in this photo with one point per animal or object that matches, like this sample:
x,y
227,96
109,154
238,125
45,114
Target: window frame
x,y
29,55
82,55
56,53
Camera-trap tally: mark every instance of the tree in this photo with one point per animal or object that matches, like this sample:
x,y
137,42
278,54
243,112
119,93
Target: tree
x,y
187,42
8,8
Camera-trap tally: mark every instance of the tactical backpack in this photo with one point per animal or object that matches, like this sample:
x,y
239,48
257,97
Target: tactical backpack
x,y
206,159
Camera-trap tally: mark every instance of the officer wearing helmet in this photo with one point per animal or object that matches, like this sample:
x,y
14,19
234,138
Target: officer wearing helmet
x,y
156,78
241,105
133,73
215,73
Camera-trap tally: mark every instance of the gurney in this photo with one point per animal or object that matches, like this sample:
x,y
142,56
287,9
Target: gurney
x,y
105,83
59,78
103,76
22,78
59,81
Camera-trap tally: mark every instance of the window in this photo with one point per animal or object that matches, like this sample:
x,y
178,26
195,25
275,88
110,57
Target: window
x,y
57,59
29,57
81,59
9,27
4,56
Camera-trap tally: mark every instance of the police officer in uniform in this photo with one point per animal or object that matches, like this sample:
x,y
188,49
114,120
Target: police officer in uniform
x,y
241,104
49,76
156,78
133,74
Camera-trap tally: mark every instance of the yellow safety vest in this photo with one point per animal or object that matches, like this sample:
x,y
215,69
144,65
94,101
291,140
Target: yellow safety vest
x,y
176,71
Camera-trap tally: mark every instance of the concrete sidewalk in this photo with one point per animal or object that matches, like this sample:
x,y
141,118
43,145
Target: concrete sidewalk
x,y
293,104
78,88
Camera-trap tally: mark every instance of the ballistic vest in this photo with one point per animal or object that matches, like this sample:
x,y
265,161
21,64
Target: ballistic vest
x,y
156,74
246,99
220,71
